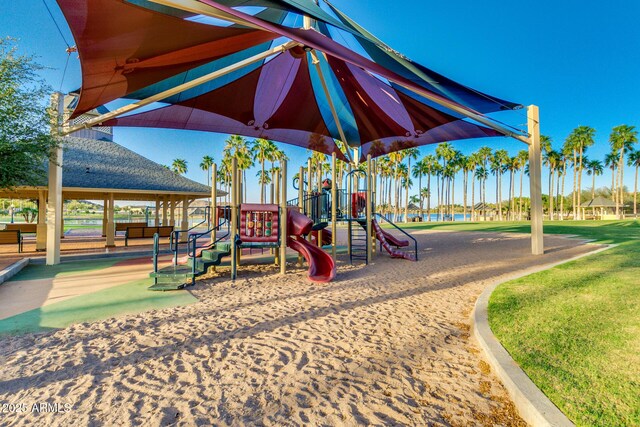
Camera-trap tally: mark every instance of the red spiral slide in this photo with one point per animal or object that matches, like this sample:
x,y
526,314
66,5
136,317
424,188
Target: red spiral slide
x,y
321,265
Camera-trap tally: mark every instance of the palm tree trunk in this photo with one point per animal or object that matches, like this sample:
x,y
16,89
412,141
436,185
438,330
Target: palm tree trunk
x,y
429,197
551,175
473,196
420,193
262,182
621,185
575,184
453,193
520,200
635,194
579,195
564,174
465,179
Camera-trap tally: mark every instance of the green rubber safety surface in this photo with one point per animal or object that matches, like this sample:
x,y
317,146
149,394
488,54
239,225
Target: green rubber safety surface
x,y
130,298
41,271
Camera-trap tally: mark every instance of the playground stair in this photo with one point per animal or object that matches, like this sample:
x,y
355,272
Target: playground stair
x,y
175,277
358,245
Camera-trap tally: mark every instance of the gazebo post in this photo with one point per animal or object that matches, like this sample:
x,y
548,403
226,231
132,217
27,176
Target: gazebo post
x,y
62,216
156,220
283,218
104,216
54,207
54,200
185,219
41,228
111,228
172,211
334,207
164,210
535,180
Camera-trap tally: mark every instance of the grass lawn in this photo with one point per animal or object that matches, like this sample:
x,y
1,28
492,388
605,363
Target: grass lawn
x,y
575,329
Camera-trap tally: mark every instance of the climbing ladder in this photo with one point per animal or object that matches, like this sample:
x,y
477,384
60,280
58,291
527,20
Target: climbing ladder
x,y
358,246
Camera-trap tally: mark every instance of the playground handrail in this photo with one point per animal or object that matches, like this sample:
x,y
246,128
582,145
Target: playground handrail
x,y
175,235
415,242
192,244
156,245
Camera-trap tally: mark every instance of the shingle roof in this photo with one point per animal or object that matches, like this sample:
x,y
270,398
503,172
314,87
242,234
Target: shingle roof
x,y
599,202
89,163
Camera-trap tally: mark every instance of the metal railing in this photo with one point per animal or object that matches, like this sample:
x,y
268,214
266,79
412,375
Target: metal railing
x,y
192,245
174,238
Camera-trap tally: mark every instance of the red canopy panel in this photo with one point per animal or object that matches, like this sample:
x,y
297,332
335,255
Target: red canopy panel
x,y
124,47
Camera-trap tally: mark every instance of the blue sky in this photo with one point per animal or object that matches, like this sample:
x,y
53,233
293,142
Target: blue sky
x,y
577,60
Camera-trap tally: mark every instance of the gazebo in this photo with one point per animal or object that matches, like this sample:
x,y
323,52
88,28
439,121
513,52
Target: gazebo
x,y
96,168
601,207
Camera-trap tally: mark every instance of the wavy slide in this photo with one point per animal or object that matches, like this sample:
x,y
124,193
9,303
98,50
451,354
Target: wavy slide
x,y
321,265
381,235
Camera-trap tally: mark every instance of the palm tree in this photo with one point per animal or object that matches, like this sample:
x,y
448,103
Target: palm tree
x,y
179,166
409,153
205,165
263,150
468,165
622,138
484,154
498,162
482,174
551,159
611,162
236,146
523,158
419,169
594,168
431,167
634,161
579,139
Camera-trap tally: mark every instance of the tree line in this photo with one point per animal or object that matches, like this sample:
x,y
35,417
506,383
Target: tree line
x,y
431,179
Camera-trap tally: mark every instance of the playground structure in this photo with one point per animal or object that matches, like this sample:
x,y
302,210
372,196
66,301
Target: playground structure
x,y
305,224
388,103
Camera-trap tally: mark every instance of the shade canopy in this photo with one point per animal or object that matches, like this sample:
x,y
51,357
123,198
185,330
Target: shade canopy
x,y
360,92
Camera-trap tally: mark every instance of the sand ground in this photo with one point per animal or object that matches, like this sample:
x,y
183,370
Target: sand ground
x,y
387,344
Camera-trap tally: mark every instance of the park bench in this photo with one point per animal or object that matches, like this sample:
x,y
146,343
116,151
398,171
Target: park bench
x,y
122,226
137,232
11,237
30,228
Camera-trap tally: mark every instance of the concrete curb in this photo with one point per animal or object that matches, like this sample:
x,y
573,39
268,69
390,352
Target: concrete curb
x,y
533,406
12,270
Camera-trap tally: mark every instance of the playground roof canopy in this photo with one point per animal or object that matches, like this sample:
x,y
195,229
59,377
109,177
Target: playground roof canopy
x,y
92,168
317,90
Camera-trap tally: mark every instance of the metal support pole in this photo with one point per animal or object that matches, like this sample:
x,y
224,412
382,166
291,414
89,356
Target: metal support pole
x,y
334,206
535,180
214,203
234,217
41,228
309,184
276,252
368,208
300,203
349,208
283,219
